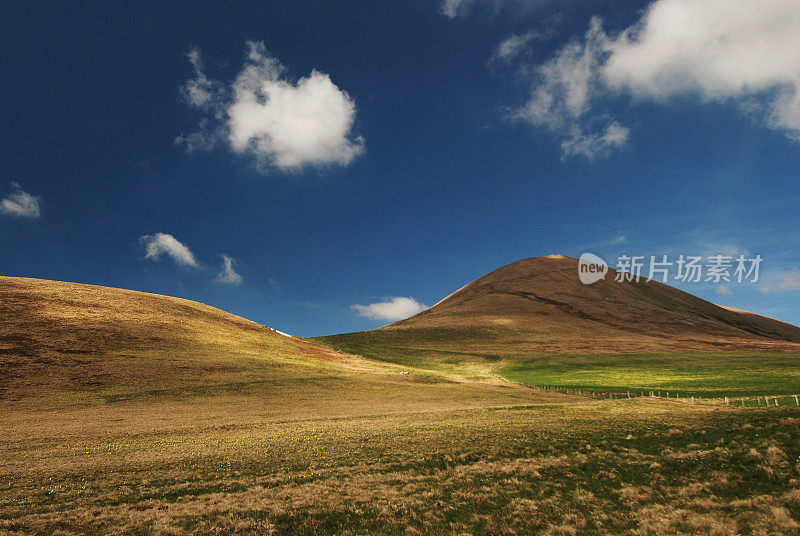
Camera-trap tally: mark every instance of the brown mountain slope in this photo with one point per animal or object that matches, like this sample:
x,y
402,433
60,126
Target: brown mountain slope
x,y
538,305
72,335
545,291
63,344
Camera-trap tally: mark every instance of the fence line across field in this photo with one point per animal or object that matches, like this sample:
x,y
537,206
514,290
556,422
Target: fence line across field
x,y
768,401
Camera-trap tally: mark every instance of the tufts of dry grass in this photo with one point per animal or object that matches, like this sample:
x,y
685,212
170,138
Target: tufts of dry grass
x,y
567,469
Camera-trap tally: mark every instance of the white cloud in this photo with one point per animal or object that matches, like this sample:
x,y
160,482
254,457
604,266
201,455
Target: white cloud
x,y
282,124
791,280
452,8
392,309
620,239
787,281
717,49
562,94
566,82
737,51
161,243
723,290
228,274
460,8
513,46
593,144
200,91
20,203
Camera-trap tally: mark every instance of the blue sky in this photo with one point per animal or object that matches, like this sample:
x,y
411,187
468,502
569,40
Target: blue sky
x,y
286,161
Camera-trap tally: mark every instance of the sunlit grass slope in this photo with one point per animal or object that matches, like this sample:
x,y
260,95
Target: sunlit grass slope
x,y
683,373
67,343
691,373
72,338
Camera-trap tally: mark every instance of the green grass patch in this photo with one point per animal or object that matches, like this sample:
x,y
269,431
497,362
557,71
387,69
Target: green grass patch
x,y
686,373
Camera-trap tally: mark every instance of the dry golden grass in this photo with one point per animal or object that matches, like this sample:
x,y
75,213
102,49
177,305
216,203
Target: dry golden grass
x,y
609,467
124,413
68,339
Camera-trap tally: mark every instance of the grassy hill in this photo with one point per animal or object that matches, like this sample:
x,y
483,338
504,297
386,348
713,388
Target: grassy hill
x,y
534,321
136,414
65,344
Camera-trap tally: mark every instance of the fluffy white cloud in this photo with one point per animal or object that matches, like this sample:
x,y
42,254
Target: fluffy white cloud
x,y
20,203
718,49
738,51
279,122
724,290
392,309
228,275
161,243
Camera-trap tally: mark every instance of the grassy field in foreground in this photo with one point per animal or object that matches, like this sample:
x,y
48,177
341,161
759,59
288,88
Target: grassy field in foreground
x,y
648,467
686,373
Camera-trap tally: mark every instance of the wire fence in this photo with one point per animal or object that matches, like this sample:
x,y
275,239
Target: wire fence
x,y
691,398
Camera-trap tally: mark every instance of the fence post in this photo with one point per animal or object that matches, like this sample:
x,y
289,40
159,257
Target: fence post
x,y
727,401
796,400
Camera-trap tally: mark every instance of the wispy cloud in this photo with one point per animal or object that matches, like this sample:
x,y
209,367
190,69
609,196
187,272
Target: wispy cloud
x,y
620,239
200,91
160,244
228,274
562,95
461,8
20,203
785,282
281,123
453,8
396,308
737,51
593,144
513,45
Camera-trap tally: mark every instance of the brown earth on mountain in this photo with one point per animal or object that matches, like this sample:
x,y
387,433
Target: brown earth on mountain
x,y
538,305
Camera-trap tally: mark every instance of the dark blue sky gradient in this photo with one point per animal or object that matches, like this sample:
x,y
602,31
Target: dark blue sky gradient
x,y
446,191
